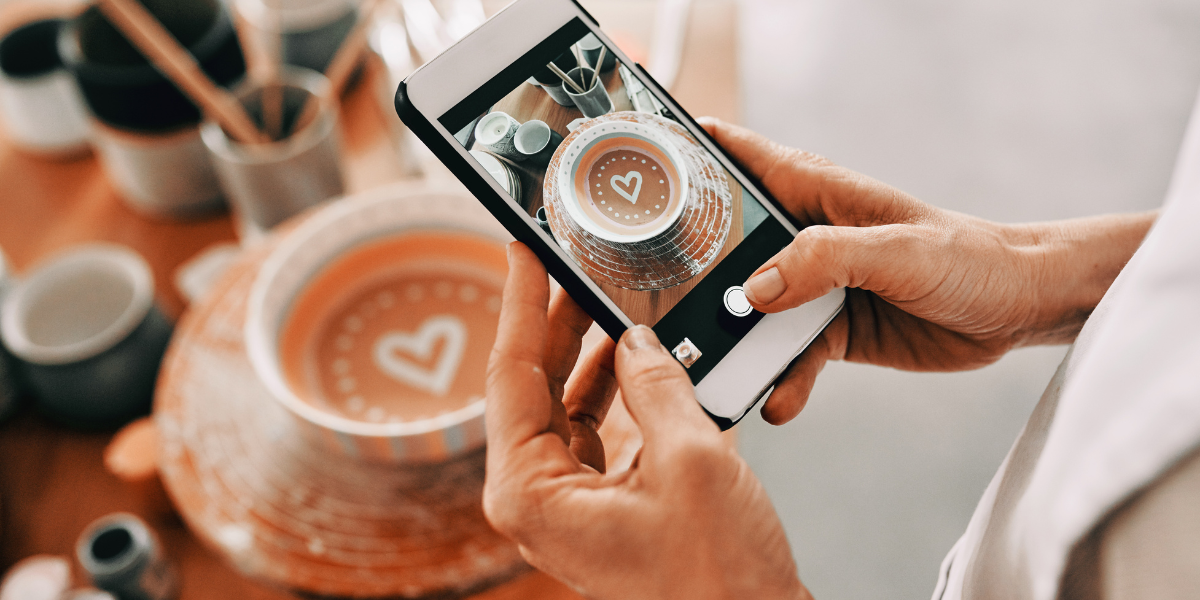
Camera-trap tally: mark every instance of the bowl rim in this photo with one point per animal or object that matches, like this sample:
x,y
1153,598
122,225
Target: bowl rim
x,y
16,305
566,177
261,331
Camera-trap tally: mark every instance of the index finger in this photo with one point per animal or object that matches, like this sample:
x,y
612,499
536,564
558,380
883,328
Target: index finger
x,y
518,395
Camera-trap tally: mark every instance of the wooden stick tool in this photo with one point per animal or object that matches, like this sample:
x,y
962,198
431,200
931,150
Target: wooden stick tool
x,y
563,76
162,49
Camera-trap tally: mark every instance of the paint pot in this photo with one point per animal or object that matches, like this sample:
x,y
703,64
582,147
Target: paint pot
x,y
88,335
268,183
122,555
40,105
146,131
371,323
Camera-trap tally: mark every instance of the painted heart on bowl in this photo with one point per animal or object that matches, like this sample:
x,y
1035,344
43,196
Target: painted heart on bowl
x,y
622,181
393,349
619,182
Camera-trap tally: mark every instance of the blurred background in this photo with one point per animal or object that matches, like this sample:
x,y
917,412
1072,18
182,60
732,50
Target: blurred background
x,y
1012,111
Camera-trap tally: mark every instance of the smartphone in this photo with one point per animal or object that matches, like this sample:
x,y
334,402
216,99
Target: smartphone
x,y
630,205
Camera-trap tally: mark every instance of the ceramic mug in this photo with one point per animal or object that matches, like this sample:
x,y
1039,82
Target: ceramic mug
x,y
88,335
590,47
551,83
122,555
147,132
268,183
496,132
40,104
594,101
371,322
537,142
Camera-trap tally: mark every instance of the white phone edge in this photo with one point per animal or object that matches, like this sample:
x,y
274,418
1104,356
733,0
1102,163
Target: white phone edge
x,y
750,369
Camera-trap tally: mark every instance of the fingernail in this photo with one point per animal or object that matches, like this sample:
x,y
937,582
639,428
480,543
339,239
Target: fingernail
x,y
640,337
508,250
765,287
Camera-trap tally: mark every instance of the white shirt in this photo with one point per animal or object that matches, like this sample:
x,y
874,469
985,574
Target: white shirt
x,y
1122,410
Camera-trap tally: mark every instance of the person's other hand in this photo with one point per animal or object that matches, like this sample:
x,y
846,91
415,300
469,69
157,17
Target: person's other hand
x,y
927,289
687,520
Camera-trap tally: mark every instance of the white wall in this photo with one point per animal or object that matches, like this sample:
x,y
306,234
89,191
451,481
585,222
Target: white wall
x,y
1014,110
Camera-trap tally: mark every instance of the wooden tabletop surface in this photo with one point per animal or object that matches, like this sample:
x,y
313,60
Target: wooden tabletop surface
x,y
52,480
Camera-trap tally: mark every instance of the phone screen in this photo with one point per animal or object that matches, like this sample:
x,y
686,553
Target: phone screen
x,y
600,163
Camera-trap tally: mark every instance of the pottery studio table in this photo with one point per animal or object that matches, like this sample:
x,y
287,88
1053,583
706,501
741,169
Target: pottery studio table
x,y
52,480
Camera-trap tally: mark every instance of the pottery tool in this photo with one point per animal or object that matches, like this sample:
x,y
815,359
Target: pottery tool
x,y
599,62
341,67
579,60
563,76
271,98
122,555
161,48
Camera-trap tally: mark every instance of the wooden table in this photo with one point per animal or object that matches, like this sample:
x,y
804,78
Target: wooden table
x,y
52,480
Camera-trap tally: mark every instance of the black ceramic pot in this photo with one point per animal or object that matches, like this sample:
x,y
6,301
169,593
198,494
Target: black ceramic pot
x,y
123,90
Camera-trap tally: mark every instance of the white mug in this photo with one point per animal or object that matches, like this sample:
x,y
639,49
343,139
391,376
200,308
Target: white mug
x,y
88,334
40,104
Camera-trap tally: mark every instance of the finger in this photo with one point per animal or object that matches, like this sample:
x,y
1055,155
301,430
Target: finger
x,y
657,391
568,324
519,403
792,176
811,187
589,395
821,258
792,391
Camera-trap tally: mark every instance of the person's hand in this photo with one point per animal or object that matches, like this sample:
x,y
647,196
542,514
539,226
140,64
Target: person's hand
x,y
927,289
687,520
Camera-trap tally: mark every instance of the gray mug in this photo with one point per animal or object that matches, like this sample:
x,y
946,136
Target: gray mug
x,y
594,101
590,47
268,183
88,335
537,142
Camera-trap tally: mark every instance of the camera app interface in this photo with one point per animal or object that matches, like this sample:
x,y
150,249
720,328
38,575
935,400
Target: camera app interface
x,y
595,159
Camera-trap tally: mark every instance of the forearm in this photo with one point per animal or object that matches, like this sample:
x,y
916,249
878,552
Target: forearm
x,y
1073,264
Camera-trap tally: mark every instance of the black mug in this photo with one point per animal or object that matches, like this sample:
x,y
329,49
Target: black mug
x,y
123,89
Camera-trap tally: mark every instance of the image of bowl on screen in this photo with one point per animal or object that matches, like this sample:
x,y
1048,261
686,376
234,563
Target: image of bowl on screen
x,y
622,181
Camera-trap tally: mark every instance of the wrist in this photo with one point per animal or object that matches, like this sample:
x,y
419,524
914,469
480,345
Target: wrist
x,y
1070,266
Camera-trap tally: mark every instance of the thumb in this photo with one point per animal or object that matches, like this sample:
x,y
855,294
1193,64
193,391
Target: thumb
x,y
822,258
657,391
